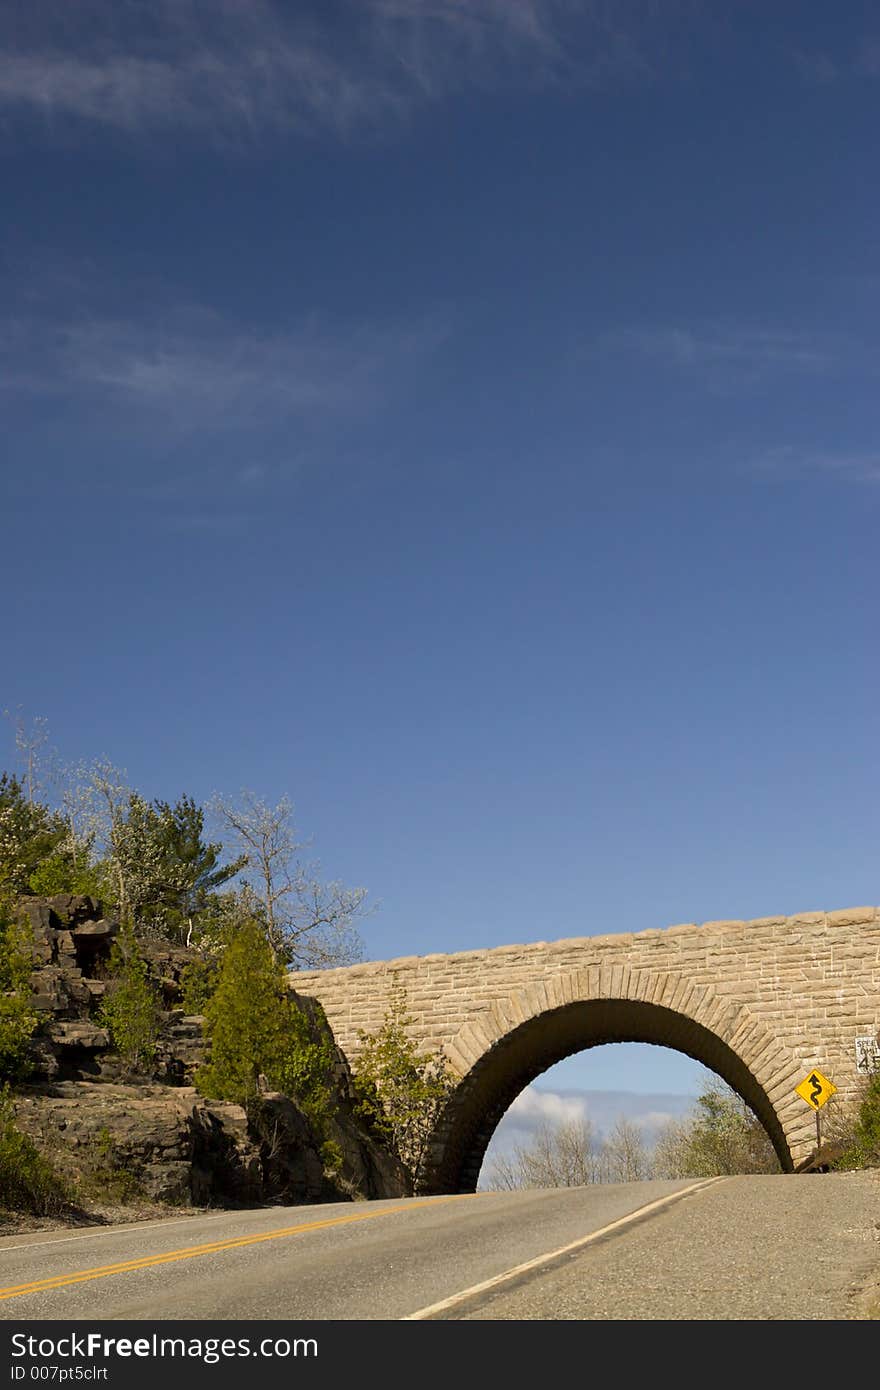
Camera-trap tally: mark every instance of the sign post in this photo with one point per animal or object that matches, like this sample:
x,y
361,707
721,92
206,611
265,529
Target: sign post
x,y
815,1089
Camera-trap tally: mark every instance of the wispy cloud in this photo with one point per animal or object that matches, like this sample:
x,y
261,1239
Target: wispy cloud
x,y
194,368
860,59
818,69
848,466
745,350
213,90
868,60
217,523
232,70
196,423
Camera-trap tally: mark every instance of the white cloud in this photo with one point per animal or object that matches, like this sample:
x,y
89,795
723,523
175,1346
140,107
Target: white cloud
x,y
533,1108
653,1120
196,368
741,349
536,1110
224,95
233,70
816,68
849,466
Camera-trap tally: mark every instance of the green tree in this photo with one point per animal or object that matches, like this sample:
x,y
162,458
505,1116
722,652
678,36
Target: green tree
x,y
131,1009
190,867
722,1136
164,870
400,1091
259,1037
862,1148
30,834
18,1021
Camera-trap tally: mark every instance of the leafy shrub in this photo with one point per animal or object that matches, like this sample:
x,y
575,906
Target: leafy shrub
x,y
721,1136
28,1181
107,1173
18,1021
131,1010
198,980
863,1147
58,874
400,1091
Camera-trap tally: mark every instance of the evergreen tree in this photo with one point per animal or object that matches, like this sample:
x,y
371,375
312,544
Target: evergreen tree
x,y
165,871
258,1035
131,1010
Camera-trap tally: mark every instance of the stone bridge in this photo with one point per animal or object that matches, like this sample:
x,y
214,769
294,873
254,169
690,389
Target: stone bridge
x,y
761,1003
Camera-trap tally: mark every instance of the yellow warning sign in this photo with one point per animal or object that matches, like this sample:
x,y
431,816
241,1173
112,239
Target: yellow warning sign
x,y
815,1089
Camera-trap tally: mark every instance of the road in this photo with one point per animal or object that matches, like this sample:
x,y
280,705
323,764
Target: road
x,y
773,1247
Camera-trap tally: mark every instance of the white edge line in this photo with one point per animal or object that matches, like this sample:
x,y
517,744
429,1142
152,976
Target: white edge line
x,y
446,1303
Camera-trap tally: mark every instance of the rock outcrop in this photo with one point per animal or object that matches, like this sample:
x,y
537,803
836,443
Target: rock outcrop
x,y
156,1137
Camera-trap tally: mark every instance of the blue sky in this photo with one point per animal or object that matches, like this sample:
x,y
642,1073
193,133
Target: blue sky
x,y
462,419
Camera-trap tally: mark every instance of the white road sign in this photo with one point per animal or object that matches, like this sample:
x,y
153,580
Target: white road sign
x,y
867,1053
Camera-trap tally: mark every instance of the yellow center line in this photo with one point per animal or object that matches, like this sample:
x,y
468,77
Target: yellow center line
x,y
192,1252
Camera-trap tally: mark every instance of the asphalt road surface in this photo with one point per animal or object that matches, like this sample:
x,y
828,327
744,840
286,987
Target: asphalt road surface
x,y
773,1247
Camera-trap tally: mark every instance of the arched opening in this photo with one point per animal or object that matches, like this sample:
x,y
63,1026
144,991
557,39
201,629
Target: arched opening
x,y
524,1053
603,1109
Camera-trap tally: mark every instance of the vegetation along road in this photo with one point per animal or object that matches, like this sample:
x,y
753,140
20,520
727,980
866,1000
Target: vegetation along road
x,y
747,1247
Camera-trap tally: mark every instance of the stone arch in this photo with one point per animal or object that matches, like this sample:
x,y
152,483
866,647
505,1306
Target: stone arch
x,y
517,1037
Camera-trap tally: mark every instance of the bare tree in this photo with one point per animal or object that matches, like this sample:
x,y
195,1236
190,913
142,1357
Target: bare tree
x,y
95,799
310,924
91,798
624,1156
563,1155
570,1154
30,740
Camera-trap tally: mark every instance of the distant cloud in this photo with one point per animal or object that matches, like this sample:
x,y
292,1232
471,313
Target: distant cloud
x,y
220,92
196,368
744,350
252,474
209,523
532,1108
535,1109
820,68
869,58
233,70
848,466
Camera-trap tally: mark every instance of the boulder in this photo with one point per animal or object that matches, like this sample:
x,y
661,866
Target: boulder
x,y
157,1142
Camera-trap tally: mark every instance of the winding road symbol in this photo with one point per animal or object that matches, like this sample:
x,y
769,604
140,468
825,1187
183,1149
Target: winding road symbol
x,y
815,1089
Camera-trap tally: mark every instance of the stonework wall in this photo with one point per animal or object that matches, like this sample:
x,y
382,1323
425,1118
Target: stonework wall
x,y
788,994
